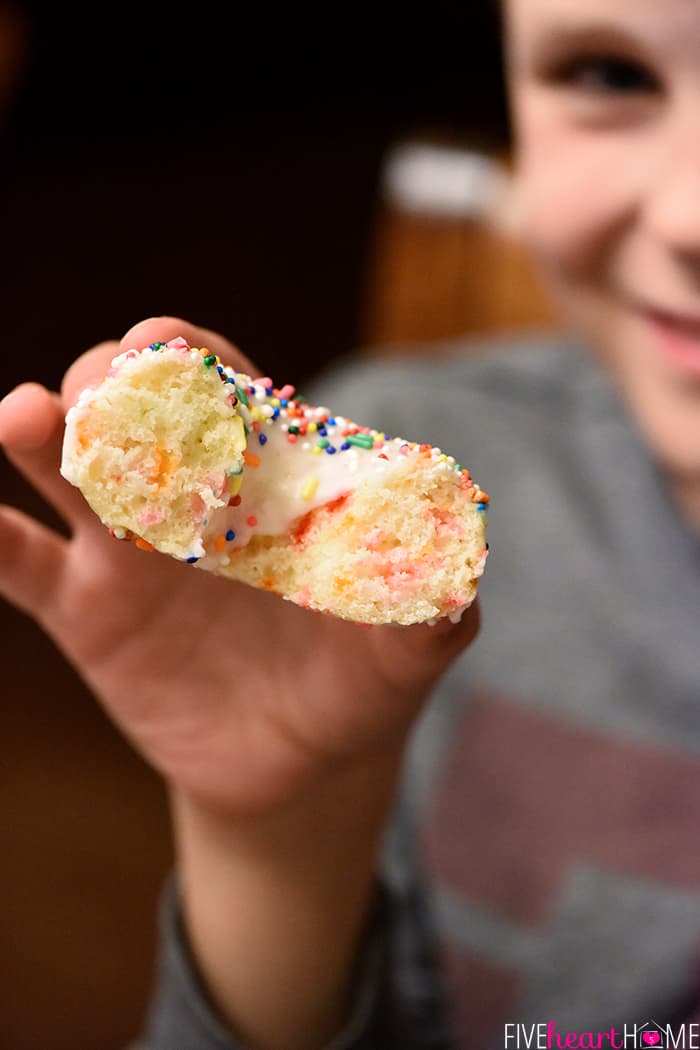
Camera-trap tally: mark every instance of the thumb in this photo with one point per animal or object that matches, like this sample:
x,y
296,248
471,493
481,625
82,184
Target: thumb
x,y
418,655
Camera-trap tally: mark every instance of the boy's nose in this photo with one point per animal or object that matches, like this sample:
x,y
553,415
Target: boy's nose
x,y
672,205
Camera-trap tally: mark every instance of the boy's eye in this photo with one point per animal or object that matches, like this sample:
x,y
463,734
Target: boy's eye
x,y
605,75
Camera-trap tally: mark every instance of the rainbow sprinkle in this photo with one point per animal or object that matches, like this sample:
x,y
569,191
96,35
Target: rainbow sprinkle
x,y
308,489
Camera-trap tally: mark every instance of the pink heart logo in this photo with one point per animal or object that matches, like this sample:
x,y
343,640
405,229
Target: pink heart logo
x,y
651,1038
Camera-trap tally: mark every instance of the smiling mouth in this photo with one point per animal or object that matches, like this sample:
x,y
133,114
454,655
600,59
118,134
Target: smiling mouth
x,y
683,324
676,338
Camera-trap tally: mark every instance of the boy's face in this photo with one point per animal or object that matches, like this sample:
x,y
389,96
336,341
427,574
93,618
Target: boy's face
x,y
606,106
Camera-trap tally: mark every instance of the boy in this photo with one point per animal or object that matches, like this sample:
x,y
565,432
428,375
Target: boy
x,y
542,845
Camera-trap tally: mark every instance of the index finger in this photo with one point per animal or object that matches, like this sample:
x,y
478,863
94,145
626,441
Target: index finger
x,y
92,366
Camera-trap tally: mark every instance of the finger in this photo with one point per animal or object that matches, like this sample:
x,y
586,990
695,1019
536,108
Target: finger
x,y
32,562
31,432
92,366
87,370
419,654
164,329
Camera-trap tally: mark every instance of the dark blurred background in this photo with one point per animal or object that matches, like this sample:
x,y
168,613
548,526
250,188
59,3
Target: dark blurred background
x,y
221,163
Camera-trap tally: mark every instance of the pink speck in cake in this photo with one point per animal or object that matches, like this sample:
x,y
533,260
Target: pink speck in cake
x,y
400,575
446,523
374,539
198,507
217,485
301,526
303,598
152,516
409,570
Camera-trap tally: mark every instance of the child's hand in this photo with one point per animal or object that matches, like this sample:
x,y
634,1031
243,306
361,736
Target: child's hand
x,y
231,693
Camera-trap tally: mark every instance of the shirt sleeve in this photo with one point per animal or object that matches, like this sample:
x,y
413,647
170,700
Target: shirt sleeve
x,y
397,998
